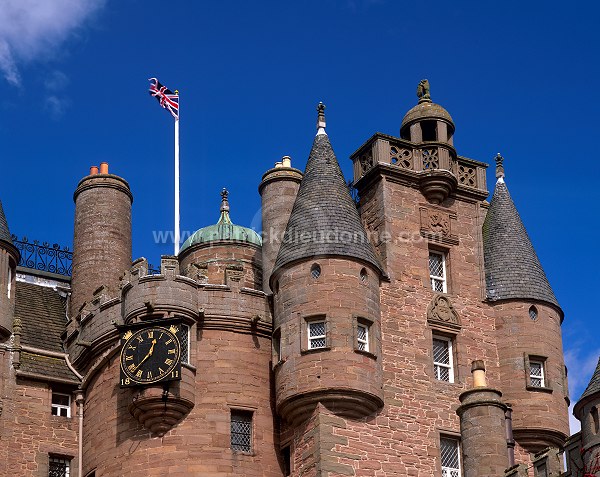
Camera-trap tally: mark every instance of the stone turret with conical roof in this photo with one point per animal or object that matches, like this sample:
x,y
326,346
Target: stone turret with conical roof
x,y
528,321
587,410
326,298
9,257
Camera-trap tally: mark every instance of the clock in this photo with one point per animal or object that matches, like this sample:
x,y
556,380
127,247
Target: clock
x,y
150,355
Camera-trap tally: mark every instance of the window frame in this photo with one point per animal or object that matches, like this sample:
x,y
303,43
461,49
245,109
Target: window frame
x,y
311,338
447,471
241,412
186,359
541,377
369,342
58,459
436,365
305,322
543,361
432,277
60,407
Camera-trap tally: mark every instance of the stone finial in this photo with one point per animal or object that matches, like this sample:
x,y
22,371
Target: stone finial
x,y
224,201
478,370
423,91
321,124
499,166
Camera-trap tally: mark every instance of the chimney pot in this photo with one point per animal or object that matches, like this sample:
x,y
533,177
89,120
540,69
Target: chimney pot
x,y
104,168
93,170
286,161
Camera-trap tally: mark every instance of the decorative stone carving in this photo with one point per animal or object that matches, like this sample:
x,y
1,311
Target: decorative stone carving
x,y
436,225
159,410
439,223
401,157
467,175
440,310
431,159
366,161
234,273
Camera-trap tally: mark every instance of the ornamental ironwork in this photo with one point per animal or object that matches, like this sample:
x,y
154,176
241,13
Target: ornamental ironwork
x,y
44,257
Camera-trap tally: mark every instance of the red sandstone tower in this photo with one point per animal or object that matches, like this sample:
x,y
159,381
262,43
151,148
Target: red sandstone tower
x,y
102,235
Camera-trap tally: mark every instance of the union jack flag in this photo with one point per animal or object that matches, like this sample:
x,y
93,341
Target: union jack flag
x,y
165,97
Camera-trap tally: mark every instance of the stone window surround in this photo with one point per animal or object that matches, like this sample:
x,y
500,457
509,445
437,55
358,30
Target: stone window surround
x,y
368,323
58,407
252,412
452,357
304,324
528,358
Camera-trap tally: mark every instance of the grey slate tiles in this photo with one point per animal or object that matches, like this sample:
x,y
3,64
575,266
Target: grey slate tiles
x,y
512,268
324,220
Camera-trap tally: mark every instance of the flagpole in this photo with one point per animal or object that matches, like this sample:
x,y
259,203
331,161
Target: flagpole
x,y
176,187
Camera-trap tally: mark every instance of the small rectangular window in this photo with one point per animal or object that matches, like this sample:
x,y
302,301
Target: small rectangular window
x,y
241,430
316,335
276,346
185,344
443,361
437,271
536,374
59,467
61,405
287,461
362,337
450,457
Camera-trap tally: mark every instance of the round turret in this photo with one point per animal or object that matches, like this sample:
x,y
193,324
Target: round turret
x,y
224,252
327,333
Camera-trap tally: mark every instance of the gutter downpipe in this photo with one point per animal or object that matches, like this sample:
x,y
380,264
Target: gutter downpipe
x,y
79,399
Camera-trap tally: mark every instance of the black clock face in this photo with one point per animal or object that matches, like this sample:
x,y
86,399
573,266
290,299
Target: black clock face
x,y
150,355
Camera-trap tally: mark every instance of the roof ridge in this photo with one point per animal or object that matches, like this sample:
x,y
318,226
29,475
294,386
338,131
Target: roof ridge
x,y
512,267
324,218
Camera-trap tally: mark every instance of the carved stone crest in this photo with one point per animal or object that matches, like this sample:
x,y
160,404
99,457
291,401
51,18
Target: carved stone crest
x,y
441,310
439,223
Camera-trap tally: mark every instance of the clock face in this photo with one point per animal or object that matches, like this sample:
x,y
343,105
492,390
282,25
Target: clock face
x,y
150,355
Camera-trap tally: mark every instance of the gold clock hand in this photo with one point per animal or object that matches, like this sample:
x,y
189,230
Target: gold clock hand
x,y
147,356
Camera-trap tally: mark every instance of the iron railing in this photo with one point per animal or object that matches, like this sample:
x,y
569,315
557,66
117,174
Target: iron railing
x,y
44,257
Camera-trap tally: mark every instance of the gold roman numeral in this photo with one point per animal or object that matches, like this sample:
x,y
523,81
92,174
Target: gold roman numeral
x,y
128,358
171,351
140,338
170,340
149,375
168,362
150,335
131,367
139,374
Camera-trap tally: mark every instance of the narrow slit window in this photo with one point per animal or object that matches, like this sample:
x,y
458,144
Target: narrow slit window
x,y
185,344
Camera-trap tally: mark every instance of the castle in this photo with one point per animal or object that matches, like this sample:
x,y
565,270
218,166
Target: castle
x,y
409,332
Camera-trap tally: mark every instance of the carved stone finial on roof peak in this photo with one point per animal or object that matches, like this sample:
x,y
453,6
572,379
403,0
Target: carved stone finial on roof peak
x,y
499,166
423,91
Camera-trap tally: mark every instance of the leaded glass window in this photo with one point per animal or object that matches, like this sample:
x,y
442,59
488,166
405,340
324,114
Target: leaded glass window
x,y
450,457
241,430
58,467
316,335
437,271
442,359
536,374
185,344
362,337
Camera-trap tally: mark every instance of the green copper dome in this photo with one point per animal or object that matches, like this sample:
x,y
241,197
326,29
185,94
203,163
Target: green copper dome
x,y
224,229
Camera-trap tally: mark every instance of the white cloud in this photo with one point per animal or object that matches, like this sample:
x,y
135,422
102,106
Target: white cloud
x,y
31,29
56,106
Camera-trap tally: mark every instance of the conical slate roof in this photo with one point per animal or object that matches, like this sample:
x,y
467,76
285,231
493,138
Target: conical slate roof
x,y
324,219
4,232
512,268
594,384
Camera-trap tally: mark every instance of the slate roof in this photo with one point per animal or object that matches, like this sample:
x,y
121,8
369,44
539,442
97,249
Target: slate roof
x,y
42,314
4,232
324,219
46,366
512,268
594,384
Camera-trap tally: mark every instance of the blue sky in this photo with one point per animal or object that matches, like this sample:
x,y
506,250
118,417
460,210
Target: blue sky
x,y
519,78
